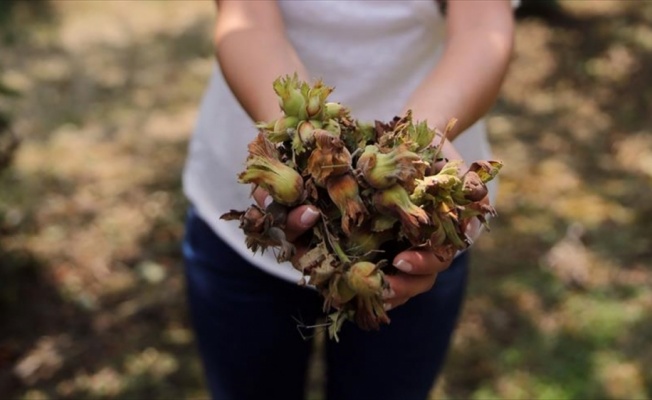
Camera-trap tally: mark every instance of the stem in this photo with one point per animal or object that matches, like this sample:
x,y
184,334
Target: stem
x,y
340,253
334,244
334,166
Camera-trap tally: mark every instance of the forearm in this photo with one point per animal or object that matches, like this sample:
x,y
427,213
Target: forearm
x,y
467,79
252,50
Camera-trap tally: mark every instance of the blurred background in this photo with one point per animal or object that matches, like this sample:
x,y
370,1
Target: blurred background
x,y
97,102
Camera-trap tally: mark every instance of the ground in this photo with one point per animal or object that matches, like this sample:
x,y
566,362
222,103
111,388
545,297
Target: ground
x,y
91,213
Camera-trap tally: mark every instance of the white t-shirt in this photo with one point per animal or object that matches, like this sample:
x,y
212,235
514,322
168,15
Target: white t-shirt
x,y
375,54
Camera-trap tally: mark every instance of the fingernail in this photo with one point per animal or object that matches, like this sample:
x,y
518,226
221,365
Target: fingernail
x,y
387,306
309,217
268,200
403,265
388,294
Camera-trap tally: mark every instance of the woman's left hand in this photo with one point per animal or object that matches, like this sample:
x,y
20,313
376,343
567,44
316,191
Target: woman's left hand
x,y
417,272
418,269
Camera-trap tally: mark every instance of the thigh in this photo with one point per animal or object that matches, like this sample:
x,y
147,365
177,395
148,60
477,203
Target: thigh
x,y
244,321
402,359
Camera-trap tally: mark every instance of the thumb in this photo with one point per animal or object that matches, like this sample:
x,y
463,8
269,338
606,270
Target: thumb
x,y
419,262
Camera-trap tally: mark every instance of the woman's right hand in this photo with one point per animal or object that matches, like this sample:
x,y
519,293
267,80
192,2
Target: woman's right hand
x,y
299,220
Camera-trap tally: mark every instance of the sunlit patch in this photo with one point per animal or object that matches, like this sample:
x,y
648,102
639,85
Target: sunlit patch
x,y
620,379
634,153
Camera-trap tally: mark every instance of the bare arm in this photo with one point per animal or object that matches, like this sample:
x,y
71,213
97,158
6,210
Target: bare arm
x,y
463,85
467,79
253,50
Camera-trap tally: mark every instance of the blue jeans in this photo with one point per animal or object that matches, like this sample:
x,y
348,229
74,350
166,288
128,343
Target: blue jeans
x,y
246,326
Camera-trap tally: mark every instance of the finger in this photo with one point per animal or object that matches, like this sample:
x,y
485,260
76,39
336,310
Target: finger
x,y
472,229
262,197
299,252
300,219
405,286
419,262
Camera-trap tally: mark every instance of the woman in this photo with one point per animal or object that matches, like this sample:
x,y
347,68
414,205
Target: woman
x,y
383,57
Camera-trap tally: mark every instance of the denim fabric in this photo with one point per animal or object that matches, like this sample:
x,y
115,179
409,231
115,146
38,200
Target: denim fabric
x,y
247,325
